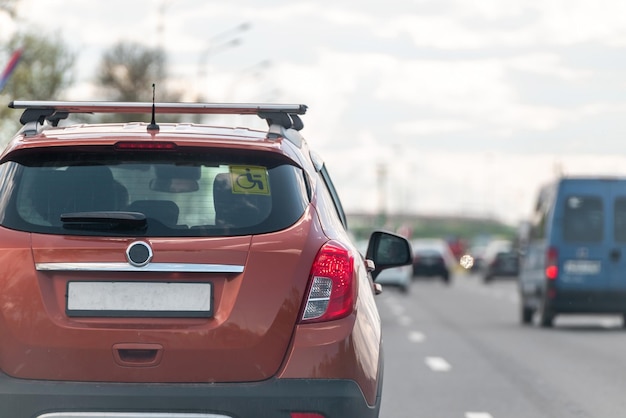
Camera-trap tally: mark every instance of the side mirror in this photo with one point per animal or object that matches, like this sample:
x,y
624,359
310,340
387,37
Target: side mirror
x,y
388,250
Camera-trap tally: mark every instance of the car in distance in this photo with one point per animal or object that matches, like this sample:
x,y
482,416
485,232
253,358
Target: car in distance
x,y
398,277
181,270
432,257
500,260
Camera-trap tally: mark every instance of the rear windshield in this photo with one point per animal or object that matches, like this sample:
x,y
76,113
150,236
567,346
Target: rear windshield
x,y
583,219
197,193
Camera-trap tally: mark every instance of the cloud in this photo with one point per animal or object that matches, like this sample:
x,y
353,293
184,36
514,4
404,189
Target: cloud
x,y
431,126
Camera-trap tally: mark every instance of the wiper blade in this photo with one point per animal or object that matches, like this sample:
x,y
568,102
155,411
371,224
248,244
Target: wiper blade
x,y
104,220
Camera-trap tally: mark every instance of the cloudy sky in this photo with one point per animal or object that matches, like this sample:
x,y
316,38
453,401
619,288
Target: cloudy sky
x,y
428,106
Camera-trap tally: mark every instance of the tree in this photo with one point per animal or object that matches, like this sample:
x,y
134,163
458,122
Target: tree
x,y
8,6
43,72
127,72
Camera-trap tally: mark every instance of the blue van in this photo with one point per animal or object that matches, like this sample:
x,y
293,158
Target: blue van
x,y
573,259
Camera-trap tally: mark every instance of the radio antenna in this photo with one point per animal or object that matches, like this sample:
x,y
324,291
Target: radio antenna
x,y
153,125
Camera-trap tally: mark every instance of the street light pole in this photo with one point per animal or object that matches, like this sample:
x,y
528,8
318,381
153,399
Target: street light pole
x,y
217,43
381,173
254,71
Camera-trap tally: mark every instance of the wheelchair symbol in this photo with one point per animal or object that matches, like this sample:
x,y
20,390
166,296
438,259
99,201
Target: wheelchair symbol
x,y
248,181
251,182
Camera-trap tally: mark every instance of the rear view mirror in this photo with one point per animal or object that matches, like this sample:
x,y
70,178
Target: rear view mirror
x,y
174,185
388,250
176,179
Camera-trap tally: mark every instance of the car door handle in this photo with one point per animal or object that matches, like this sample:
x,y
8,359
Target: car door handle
x,y
615,254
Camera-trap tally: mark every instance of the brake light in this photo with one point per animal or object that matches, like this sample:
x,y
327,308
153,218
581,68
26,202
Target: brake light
x,y
552,263
145,145
332,285
306,415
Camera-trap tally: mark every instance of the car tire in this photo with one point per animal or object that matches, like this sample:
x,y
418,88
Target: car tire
x,y
526,313
546,316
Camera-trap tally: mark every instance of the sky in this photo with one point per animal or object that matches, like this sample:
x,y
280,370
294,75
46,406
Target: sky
x,y
434,107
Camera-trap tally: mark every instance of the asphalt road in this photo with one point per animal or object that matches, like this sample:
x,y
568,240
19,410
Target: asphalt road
x,y
459,351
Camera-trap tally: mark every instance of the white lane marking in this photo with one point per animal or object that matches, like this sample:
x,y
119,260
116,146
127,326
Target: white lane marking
x,y
437,364
416,337
478,415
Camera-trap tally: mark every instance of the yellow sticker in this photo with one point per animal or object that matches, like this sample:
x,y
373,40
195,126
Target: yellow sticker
x,y
249,179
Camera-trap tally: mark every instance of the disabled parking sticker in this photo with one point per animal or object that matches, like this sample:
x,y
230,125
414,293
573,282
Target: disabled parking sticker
x,y
249,179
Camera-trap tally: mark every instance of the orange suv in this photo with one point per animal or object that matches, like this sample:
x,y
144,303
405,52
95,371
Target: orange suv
x,y
181,270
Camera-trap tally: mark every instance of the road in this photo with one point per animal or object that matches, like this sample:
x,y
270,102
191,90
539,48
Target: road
x,y
459,351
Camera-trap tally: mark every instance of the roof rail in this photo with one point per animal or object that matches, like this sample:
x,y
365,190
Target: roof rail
x,y
283,115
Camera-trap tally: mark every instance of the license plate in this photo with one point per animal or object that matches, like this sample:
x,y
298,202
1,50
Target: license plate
x,y
139,299
581,266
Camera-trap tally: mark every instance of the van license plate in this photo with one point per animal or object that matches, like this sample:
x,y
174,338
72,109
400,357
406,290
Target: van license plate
x,y
139,299
581,266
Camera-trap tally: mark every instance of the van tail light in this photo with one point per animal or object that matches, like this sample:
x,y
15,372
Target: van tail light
x,y
552,263
332,285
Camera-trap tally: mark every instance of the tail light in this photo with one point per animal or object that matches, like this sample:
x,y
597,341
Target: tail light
x,y
332,285
552,263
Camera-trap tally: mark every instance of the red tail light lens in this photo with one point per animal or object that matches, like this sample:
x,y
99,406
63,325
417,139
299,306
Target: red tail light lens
x,y
552,263
306,415
332,286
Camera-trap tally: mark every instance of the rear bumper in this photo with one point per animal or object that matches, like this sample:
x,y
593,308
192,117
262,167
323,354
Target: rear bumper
x,y
274,398
502,273
586,301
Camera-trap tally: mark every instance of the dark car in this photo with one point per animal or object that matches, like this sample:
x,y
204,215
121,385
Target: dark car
x,y
181,270
501,260
432,258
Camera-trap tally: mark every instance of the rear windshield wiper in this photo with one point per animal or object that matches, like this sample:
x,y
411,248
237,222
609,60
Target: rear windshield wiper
x,y
104,220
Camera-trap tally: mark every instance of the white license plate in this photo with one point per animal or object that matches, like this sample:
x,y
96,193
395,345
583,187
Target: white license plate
x,y
139,299
581,266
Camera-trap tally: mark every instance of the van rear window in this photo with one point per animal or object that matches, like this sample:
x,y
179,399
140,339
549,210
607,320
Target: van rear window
x,y
583,219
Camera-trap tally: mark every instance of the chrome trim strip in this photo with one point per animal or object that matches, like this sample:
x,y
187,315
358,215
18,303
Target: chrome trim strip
x,y
152,267
129,415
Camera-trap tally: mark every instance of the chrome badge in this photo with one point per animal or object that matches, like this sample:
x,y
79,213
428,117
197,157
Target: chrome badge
x,y
139,254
